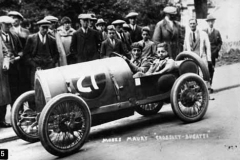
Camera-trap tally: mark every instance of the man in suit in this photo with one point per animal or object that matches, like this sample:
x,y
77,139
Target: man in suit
x,y
41,50
118,24
22,33
100,27
215,42
52,30
197,41
136,30
5,95
170,31
111,44
85,42
14,46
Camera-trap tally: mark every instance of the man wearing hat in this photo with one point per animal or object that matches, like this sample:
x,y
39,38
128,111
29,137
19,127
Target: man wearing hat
x,y
92,21
170,31
21,32
66,32
41,49
85,42
54,24
135,31
100,27
5,95
215,42
14,46
118,24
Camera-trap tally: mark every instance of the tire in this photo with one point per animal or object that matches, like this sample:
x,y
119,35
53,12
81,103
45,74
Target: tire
x,y
64,124
189,98
23,118
149,109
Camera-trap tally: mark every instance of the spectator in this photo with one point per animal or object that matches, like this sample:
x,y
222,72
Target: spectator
x,y
111,44
92,21
149,47
85,41
5,96
170,31
66,32
215,42
41,50
126,31
52,30
14,47
100,27
163,63
135,29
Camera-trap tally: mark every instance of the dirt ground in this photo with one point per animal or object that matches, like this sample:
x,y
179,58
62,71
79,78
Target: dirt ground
x,y
230,57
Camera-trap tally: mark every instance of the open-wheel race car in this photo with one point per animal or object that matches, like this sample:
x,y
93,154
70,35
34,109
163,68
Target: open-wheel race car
x,y
68,100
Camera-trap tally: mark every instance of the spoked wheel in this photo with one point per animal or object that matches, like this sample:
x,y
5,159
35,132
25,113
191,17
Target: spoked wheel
x,y
149,109
24,118
64,124
189,97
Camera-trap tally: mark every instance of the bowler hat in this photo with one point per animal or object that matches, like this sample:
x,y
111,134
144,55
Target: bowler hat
x,y
15,13
170,10
210,18
100,21
6,19
43,22
51,18
132,15
118,22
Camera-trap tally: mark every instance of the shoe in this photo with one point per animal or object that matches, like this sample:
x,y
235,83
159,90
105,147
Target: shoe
x,y
4,125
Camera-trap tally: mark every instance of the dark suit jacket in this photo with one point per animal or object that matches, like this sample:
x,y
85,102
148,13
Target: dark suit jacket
x,y
136,35
84,47
107,48
215,42
31,47
174,37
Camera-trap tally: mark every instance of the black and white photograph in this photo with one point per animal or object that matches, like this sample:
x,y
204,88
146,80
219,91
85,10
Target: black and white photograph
x,y
119,79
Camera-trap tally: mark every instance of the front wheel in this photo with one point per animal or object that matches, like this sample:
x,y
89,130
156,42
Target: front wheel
x,y
24,117
149,109
64,124
189,98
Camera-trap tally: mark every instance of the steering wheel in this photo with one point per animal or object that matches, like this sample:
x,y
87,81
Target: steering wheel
x,y
113,54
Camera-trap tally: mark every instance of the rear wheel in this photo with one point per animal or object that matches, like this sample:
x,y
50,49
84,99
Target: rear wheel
x,y
189,98
24,118
64,124
149,109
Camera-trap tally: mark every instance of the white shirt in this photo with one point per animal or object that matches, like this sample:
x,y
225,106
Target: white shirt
x,y
42,38
5,35
84,30
133,26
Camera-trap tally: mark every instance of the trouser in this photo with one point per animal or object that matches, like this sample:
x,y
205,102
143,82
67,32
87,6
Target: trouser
x,y
3,111
212,70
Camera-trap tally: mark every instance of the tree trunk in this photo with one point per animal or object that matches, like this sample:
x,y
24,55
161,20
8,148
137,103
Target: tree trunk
x,y
201,8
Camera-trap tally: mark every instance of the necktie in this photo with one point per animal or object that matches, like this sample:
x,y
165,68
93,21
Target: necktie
x,y
194,38
7,39
122,37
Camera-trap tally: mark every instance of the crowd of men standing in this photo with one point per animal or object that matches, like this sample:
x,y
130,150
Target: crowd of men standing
x,y
22,53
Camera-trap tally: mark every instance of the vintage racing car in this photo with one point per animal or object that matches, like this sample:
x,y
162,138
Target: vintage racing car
x,y
68,100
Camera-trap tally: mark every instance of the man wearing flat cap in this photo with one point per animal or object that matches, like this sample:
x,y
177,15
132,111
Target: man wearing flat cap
x,y
41,50
92,21
54,24
215,42
118,24
21,32
100,25
14,46
135,31
85,42
170,31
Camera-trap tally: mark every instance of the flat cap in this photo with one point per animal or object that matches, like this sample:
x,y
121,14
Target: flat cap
x,y
111,27
51,18
93,16
84,16
118,22
210,18
6,19
132,14
15,13
170,10
100,21
125,25
44,22
146,28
